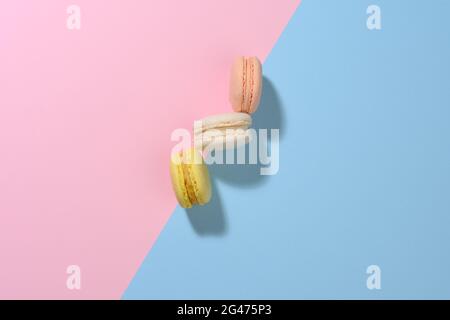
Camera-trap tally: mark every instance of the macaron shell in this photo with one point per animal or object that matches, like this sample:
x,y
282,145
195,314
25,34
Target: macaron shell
x,y
245,84
198,176
236,84
215,129
201,182
190,162
225,120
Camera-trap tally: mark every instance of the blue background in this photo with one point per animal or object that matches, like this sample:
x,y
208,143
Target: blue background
x,y
364,170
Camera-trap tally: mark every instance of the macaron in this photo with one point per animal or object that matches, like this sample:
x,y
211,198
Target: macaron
x,y
222,130
245,84
190,178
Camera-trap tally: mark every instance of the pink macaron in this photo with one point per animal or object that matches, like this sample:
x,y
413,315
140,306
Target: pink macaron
x,y
245,84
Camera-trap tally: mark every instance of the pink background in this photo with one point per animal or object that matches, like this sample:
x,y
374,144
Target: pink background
x,y
85,124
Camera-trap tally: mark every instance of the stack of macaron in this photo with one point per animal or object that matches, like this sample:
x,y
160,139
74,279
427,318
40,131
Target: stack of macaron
x,y
190,177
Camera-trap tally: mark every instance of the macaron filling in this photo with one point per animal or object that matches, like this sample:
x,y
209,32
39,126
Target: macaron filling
x,y
248,84
189,183
252,85
244,83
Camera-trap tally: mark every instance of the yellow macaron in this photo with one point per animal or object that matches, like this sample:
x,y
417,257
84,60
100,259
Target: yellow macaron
x,y
190,178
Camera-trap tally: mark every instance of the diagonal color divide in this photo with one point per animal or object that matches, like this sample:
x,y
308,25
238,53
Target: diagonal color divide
x,y
364,171
85,123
